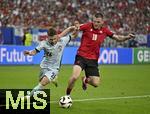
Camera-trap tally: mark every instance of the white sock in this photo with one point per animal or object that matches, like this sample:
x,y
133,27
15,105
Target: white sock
x,y
36,88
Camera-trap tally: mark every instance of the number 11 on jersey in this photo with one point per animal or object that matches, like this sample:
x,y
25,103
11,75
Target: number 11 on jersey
x,y
94,37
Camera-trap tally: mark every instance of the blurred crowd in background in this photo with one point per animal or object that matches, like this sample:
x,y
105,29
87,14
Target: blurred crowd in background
x,y
122,16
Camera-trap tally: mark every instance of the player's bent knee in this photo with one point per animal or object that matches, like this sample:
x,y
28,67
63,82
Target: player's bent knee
x,y
96,84
44,81
95,81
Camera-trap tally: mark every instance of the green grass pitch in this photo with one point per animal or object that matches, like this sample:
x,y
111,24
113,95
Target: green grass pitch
x,y
122,89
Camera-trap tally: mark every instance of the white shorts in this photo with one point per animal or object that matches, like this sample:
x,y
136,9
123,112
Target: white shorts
x,y
51,74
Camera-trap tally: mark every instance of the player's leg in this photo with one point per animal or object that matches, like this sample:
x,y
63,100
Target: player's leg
x,y
76,73
92,75
77,68
46,76
93,80
50,75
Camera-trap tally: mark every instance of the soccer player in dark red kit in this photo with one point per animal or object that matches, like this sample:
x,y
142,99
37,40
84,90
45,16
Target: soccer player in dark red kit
x,y
87,56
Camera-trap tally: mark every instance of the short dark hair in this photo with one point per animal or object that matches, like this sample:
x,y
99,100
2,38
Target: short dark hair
x,y
51,32
99,15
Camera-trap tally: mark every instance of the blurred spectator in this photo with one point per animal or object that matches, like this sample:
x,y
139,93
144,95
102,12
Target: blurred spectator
x,y
124,14
121,15
1,36
148,40
27,38
133,43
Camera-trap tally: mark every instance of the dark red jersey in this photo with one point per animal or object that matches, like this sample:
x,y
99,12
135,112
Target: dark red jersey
x,y
91,40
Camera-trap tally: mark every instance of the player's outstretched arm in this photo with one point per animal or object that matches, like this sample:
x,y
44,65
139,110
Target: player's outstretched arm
x,y
121,38
74,34
31,53
66,31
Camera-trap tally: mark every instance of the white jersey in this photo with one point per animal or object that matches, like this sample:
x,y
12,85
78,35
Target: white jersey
x,y
53,53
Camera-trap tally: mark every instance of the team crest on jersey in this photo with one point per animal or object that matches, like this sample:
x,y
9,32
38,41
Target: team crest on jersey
x,y
101,32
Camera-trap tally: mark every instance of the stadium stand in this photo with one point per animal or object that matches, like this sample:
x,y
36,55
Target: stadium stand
x,y
121,15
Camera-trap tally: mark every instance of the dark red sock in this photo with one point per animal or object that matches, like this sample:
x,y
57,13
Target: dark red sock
x,y
68,91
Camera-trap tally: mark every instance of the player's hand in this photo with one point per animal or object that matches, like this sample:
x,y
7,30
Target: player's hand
x,y
74,34
131,35
26,52
72,28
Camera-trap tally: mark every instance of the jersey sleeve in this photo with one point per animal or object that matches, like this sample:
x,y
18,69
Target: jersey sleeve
x,y
66,39
108,32
85,26
40,46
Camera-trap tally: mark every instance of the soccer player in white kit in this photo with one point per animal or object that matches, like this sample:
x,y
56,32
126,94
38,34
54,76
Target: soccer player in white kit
x,y
53,51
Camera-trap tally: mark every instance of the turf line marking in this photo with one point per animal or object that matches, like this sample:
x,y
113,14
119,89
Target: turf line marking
x,y
107,98
99,99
